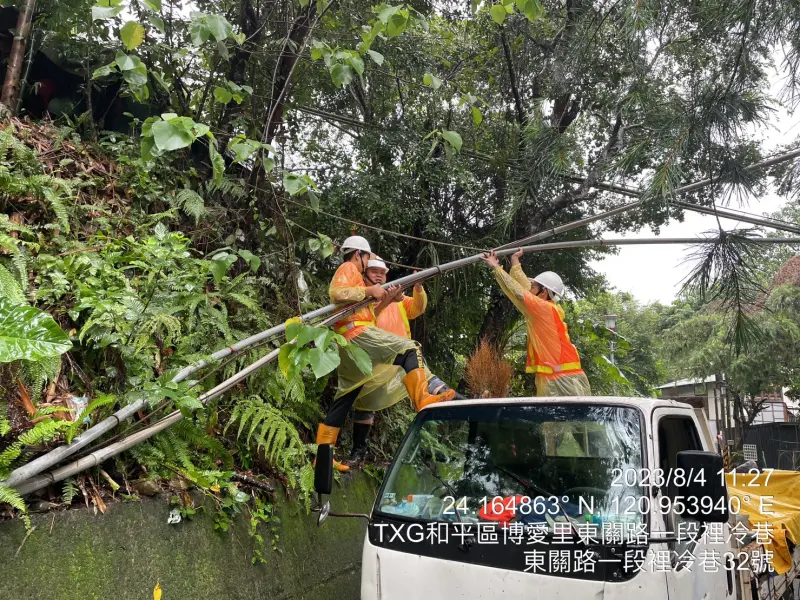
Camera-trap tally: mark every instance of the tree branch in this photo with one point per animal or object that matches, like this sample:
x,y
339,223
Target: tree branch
x,y
513,79
299,34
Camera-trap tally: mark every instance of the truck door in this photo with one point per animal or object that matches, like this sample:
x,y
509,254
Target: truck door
x,y
697,561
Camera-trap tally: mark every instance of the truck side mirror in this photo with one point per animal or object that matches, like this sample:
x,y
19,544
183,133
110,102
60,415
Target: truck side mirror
x,y
702,481
323,470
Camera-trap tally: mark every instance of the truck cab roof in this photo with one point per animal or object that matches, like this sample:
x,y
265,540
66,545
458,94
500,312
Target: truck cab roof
x,y
646,404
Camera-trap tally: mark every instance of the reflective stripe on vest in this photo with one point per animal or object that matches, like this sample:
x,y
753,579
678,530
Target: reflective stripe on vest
x,y
574,366
404,315
352,325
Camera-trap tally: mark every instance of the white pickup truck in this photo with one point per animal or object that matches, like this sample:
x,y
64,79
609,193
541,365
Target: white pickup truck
x,y
574,498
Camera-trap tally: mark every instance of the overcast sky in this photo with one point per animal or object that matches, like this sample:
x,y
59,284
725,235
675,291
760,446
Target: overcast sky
x,y
655,273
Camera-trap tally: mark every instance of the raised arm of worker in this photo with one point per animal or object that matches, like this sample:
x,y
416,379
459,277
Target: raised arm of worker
x,y
533,307
517,273
417,304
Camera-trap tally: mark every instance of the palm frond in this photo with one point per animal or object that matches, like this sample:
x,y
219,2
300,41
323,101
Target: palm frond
x,y
726,277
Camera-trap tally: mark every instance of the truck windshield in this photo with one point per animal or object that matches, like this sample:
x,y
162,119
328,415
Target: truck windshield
x,y
534,464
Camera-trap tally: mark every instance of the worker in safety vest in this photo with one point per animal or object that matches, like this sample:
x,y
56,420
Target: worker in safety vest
x,y
386,383
393,317
551,355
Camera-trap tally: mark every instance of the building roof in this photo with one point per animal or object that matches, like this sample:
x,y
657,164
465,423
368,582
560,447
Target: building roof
x,y
682,382
789,273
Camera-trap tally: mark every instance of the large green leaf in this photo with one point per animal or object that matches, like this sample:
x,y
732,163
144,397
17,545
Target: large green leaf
x,y
217,163
294,184
132,34
101,13
222,95
309,333
452,138
432,80
168,137
397,24
341,75
361,358
27,333
220,264
284,363
218,27
323,362
498,14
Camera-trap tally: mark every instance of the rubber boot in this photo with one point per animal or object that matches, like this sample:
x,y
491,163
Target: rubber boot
x,y
417,386
327,435
359,452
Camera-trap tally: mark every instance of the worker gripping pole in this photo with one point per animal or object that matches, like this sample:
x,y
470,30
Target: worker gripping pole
x,y
95,458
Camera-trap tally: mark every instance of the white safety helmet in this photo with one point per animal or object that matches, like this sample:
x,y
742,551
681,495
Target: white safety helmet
x,y
355,242
551,282
377,263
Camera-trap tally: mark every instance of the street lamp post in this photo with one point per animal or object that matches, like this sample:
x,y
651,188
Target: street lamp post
x,y
611,325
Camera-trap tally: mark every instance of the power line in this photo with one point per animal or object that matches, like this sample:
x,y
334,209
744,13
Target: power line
x,y
380,229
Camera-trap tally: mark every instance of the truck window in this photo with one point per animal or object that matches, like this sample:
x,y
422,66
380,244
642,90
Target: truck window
x,y
676,434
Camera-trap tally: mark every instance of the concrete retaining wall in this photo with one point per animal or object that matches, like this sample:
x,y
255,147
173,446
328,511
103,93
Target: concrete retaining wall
x,y
76,555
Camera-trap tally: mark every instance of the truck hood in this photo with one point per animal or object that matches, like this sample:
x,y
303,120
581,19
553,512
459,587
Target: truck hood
x,y
391,575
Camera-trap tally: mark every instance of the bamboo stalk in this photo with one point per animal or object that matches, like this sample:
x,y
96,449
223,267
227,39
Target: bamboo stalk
x,y
16,60
95,458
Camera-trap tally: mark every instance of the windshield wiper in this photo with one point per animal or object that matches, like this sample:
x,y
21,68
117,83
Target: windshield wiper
x,y
468,542
532,486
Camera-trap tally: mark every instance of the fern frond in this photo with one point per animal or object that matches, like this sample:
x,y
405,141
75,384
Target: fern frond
x,y
191,203
37,373
245,301
12,498
10,287
44,411
56,203
99,402
8,456
268,427
7,225
43,432
69,490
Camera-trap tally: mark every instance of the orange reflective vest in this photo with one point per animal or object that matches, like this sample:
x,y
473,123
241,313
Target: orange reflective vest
x,y
559,358
346,287
550,351
395,317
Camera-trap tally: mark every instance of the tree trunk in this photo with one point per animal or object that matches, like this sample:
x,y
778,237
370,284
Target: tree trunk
x,y
11,85
300,30
252,28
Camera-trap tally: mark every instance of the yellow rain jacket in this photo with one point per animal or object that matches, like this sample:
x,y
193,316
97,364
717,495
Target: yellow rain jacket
x,y
551,355
384,387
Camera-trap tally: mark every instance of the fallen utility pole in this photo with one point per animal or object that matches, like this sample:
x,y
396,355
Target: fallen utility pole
x,y
58,454
95,458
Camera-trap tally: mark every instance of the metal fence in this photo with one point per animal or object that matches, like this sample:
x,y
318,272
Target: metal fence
x,y
777,445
